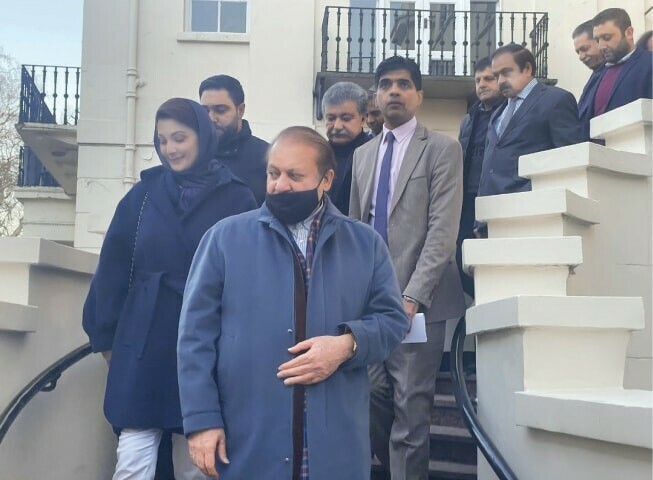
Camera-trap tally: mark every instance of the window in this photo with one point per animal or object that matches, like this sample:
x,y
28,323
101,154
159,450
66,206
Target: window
x,y
223,16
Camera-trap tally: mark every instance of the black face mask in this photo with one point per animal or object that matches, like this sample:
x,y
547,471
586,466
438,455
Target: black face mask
x,y
293,207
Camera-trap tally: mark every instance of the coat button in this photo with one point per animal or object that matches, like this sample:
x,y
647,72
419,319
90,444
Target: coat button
x,y
287,460
290,330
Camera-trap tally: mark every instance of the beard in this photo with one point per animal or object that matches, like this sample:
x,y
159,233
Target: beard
x,y
224,132
615,54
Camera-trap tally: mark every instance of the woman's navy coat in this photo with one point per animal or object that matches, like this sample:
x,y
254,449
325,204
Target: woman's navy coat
x,y
139,323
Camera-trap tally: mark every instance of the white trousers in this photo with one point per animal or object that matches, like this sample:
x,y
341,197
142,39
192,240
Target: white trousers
x,y
138,451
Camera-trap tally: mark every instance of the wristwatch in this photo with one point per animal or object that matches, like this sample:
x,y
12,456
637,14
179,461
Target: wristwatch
x,y
410,300
349,332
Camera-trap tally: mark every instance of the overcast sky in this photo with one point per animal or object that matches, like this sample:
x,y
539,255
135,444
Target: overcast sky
x,y
42,32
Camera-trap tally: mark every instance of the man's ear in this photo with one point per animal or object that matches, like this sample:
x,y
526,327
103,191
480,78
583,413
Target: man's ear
x,y
629,33
327,181
241,110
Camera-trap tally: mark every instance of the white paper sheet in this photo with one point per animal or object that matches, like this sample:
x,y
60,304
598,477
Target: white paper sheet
x,y
417,332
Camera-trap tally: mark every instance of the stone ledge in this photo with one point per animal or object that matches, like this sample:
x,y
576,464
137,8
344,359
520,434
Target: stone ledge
x,y
535,251
556,312
613,122
584,155
556,201
42,193
611,415
45,253
18,318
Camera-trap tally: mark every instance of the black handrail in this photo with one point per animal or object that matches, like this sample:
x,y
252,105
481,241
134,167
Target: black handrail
x,y
46,381
485,444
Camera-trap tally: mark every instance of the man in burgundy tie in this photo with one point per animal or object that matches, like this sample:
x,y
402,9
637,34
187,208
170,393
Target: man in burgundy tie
x,y
407,183
627,76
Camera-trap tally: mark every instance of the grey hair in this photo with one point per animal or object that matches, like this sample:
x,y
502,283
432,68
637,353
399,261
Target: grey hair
x,y
341,92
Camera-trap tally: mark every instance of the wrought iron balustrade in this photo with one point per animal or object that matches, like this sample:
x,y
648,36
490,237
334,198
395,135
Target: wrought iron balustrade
x,y
49,94
443,41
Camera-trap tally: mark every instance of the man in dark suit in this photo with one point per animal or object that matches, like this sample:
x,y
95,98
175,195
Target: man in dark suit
x,y
628,70
473,132
536,117
588,52
407,184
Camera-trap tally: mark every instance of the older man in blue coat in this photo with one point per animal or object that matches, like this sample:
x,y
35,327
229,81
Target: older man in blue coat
x,y
283,311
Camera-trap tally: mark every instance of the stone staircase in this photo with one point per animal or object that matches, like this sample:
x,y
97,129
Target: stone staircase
x,y
563,308
453,451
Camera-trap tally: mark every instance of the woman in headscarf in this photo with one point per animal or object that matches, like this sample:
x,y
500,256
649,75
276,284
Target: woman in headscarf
x,y
132,311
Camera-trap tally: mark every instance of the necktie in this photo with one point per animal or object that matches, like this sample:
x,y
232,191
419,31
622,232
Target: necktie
x,y
510,110
383,191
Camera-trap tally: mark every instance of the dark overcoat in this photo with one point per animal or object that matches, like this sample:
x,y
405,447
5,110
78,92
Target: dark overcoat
x,y
136,295
238,322
244,154
634,82
586,100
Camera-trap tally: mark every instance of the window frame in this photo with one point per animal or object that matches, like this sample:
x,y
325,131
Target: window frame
x,y
188,24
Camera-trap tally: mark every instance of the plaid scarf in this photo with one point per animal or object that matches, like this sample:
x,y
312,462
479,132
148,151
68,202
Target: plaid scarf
x,y
306,263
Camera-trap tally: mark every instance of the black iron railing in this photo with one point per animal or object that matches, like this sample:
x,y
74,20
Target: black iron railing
x,y
443,41
46,381
483,440
31,172
49,94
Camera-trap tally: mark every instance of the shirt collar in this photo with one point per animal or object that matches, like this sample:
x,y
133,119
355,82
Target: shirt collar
x,y
527,89
481,105
402,131
622,60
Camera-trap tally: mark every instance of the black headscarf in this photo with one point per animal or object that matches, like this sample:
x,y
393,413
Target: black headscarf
x,y
205,171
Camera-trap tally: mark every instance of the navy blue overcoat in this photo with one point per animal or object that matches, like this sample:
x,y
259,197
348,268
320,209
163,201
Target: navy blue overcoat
x,y
238,322
133,308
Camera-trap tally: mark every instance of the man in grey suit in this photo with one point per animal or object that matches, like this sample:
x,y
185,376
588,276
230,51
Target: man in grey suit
x,y
407,184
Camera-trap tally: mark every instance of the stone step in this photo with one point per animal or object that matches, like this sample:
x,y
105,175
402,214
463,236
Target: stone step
x,y
541,213
581,167
446,412
626,128
626,415
17,318
444,385
574,342
438,470
505,267
452,444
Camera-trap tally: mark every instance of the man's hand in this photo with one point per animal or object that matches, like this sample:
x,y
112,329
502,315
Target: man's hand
x,y
107,356
202,447
322,356
411,309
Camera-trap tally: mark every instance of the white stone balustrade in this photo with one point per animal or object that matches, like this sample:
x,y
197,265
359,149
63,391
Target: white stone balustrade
x,y
563,308
42,289
627,128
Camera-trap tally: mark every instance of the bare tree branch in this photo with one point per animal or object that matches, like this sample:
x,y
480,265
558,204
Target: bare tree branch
x,y
10,142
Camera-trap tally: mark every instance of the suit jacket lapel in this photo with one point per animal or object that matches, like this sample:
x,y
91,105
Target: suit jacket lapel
x,y
627,66
411,157
526,105
367,175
